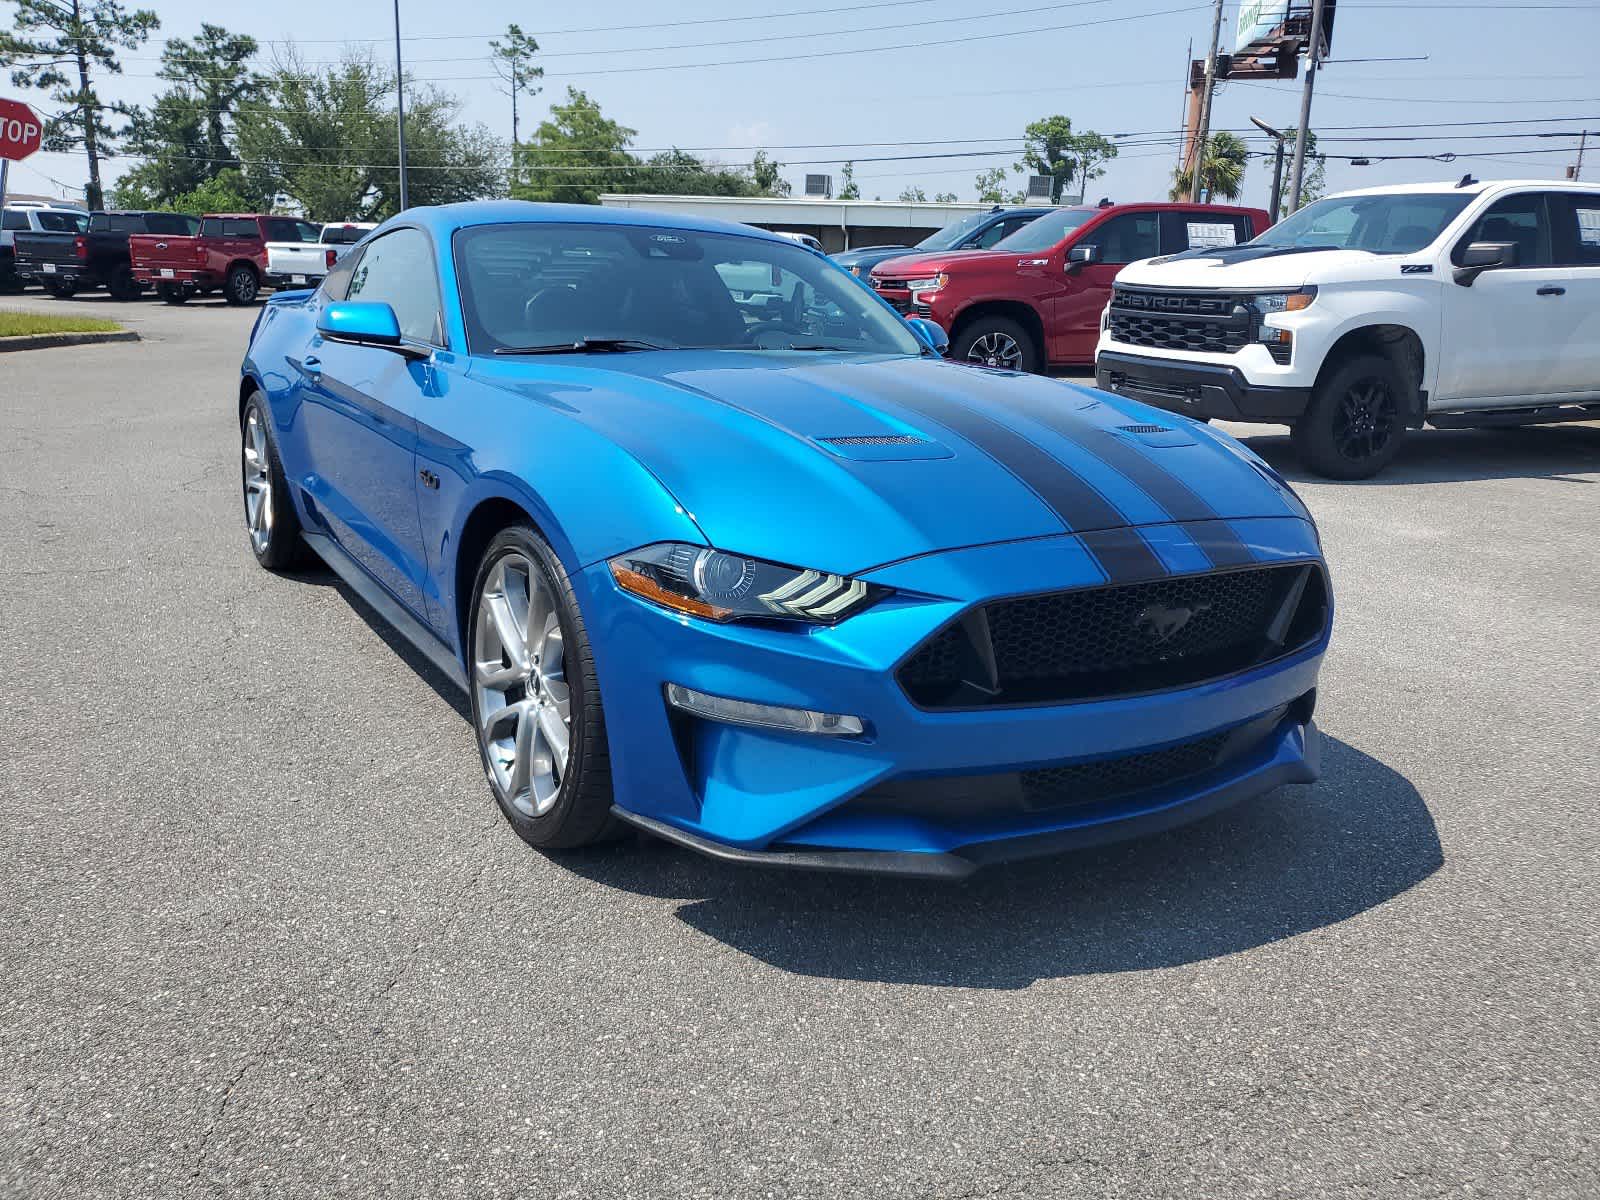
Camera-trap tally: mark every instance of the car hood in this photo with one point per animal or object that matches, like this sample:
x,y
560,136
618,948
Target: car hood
x,y
910,266
847,462
869,255
1249,268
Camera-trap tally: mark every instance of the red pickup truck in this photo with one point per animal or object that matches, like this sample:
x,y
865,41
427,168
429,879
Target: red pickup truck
x,y
230,252
1034,299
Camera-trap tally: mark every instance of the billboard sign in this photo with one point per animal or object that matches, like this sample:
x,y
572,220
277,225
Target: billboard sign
x,y
1258,19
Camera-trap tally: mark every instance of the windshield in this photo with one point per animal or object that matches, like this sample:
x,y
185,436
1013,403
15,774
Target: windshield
x,y
1046,231
1398,223
953,234
544,284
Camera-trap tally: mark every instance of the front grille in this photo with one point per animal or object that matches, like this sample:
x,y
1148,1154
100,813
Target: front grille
x,y
1202,322
1097,643
1108,778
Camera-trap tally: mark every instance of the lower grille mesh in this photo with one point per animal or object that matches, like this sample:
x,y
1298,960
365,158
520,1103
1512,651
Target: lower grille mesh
x,y
1108,778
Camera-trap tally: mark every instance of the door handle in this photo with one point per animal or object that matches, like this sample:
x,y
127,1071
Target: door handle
x,y
1551,290
312,366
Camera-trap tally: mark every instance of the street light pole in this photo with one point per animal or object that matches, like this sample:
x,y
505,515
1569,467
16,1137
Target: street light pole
x,y
1277,164
400,107
1297,175
1203,131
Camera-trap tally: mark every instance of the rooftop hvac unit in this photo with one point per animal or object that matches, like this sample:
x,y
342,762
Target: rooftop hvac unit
x,y
819,185
1038,189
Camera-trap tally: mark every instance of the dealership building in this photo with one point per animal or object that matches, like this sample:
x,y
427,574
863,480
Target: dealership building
x,y
837,224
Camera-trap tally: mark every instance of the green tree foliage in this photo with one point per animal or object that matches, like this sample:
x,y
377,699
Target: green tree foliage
x,y
679,173
58,46
577,153
848,189
1050,147
991,186
225,191
513,61
1221,169
326,138
945,198
186,136
913,195
1314,183
765,173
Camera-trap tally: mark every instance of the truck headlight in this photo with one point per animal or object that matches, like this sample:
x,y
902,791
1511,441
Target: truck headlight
x,y
730,587
931,284
1276,302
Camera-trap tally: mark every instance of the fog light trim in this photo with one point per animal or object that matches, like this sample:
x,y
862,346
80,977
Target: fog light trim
x,y
762,716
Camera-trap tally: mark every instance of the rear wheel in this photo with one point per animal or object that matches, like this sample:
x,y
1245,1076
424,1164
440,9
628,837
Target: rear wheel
x,y
60,290
1353,425
241,286
535,699
997,342
172,294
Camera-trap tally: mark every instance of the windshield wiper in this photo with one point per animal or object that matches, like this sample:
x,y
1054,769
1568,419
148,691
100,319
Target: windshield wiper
x,y
584,345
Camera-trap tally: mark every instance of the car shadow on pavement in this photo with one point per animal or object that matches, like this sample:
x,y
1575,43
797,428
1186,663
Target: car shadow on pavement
x,y
1556,452
1298,859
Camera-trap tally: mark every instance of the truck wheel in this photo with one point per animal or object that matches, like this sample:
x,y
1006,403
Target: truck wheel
x,y
172,294
61,291
997,342
242,286
1353,425
122,285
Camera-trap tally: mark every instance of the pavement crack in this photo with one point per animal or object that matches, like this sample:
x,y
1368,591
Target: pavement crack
x,y
251,1059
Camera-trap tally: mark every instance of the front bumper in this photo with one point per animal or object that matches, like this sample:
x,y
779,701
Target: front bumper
x,y
799,800
1197,389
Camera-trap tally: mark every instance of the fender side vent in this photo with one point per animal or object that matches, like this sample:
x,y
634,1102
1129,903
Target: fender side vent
x,y
877,439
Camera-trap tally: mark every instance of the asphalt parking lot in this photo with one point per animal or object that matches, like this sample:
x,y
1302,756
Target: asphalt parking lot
x,y
265,933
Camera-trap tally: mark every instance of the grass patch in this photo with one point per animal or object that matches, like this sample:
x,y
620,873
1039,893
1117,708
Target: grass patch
x,y
21,324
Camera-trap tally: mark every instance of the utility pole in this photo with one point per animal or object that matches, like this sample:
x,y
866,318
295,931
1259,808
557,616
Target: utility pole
x,y
400,106
1203,133
1188,58
1277,164
1577,171
1297,175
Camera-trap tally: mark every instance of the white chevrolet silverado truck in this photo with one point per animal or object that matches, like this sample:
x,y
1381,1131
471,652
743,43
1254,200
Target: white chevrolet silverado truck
x,y
1369,313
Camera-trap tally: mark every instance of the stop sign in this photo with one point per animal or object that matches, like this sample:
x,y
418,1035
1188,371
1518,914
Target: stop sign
x,y
20,129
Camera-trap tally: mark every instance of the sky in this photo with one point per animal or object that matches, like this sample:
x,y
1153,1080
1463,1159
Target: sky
x,y
963,78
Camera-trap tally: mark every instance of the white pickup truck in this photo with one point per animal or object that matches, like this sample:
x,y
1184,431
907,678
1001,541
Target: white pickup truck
x,y
304,264
1369,313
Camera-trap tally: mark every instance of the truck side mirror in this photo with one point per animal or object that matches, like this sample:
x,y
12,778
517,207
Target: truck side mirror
x,y
1485,256
1080,256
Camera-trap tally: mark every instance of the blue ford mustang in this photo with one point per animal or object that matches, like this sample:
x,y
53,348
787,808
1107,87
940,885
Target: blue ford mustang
x,y
721,548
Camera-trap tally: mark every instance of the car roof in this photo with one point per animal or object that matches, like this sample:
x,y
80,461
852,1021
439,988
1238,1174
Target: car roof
x,y
444,219
1476,187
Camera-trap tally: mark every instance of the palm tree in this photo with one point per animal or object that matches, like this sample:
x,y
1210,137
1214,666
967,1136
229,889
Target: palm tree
x,y
1221,172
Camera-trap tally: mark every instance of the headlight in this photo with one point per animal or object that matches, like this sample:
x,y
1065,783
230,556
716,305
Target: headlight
x,y
729,587
931,284
1276,302
856,270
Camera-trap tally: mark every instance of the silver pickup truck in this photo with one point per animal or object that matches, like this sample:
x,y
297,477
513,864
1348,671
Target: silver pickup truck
x,y
304,264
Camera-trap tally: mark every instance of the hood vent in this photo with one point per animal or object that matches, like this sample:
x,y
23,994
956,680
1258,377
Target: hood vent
x,y
1144,429
877,439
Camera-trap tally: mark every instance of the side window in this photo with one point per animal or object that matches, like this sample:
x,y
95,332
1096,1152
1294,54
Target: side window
x,y
1126,239
287,229
240,227
13,219
1000,229
1522,220
336,284
398,270
211,227
1578,230
169,223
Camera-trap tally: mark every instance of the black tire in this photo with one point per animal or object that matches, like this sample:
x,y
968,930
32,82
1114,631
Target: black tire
x,y
172,294
581,812
281,548
122,285
1354,424
61,291
997,342
242,286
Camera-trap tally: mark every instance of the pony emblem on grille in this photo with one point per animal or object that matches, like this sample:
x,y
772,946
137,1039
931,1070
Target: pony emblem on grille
x,y
1163,623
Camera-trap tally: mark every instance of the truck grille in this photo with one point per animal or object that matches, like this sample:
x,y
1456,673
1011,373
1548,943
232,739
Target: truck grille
x,y
1098,643
1203,322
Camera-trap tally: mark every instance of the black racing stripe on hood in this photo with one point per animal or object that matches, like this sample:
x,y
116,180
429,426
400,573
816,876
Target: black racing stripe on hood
x,y
1077,503
1221,544
1181,501
1125,556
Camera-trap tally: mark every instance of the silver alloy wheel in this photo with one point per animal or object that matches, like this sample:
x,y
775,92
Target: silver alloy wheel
x,y
257,482
996,350
519,672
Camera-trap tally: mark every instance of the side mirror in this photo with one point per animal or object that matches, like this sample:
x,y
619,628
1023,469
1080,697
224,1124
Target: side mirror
x,y
930,334
1485,256
360,323
1081,256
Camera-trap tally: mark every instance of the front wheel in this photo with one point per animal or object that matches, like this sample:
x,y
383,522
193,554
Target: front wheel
x,y
535,699
997,342
1353,425
241,286
269,515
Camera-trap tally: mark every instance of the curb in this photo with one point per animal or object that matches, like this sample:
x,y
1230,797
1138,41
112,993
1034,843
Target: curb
x,y
42,341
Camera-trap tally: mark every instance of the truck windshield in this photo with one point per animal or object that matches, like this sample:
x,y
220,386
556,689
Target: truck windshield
x,y
1046,231
542,284
953,234
1395,223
